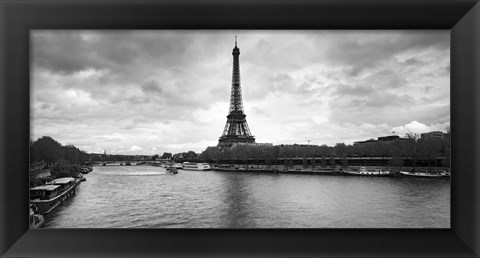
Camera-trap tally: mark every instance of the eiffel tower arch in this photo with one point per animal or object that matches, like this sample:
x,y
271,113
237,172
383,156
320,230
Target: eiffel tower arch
x,y
236,128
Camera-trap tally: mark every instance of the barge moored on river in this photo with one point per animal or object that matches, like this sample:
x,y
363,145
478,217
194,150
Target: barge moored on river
x,y
363,171
442,174
196,166
48,197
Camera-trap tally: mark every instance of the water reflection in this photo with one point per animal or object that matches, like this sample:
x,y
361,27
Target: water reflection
x,y
236,198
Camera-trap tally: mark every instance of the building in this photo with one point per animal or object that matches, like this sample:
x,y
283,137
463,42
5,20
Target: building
x,y
380,139
363,142
435,135
389,138
252,144
236,128
446,136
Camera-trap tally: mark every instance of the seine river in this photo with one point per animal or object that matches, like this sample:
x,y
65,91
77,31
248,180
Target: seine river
x,y
141,197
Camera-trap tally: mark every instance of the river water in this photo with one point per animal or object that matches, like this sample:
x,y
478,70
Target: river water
x,y
142,197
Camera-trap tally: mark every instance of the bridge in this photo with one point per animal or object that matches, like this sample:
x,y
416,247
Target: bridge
x,y
124,163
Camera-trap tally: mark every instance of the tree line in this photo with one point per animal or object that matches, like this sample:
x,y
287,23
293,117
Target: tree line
x,y
412,147
120,157
48,150
63,161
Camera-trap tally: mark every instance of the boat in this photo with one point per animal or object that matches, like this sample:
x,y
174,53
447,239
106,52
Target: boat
x,y
85,170
363,171
445,174
225,168
48,197
172,170
36,220
425,174
178,165
196,166
81,177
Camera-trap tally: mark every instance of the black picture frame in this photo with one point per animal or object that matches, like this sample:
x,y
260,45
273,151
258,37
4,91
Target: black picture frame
x,y
18,17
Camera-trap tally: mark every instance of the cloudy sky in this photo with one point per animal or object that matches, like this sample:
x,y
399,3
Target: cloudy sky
x,y
149,92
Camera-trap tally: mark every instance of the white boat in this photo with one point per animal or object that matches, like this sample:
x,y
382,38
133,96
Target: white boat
x,y
196,166
425,174
178,165
363,171
445,174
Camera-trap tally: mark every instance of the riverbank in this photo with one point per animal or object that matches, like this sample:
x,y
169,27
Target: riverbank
x,y
314,171
41,173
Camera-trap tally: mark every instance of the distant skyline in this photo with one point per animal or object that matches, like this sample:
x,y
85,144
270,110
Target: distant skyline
x,y
149,92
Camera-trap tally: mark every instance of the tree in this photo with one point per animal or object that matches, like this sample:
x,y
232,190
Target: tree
x,y
412,148
74,155
341,149
154,157
304,162
268,154
429,149
51,151
344,161
332,162
323,161
276,153
396,154
47,149
212,154
31,156
313,163
447,153
64,168
168,155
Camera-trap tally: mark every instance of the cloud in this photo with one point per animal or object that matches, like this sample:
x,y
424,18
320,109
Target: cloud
x,y
151,87
169,91
412,127
74,51
362,50
135,148
354,90
259,112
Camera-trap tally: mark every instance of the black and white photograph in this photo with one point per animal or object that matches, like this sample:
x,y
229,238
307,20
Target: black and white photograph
x,y
240,129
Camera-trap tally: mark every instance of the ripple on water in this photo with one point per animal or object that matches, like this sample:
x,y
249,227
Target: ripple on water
x,y
138,197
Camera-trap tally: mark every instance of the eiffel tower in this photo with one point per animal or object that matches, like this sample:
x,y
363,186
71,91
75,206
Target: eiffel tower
x,y
236,129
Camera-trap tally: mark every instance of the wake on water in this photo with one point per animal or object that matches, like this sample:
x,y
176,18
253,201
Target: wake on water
x,y
148,173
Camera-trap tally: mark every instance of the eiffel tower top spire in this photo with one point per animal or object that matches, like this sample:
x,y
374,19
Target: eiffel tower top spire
x,y
236,104
236,129
236,50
